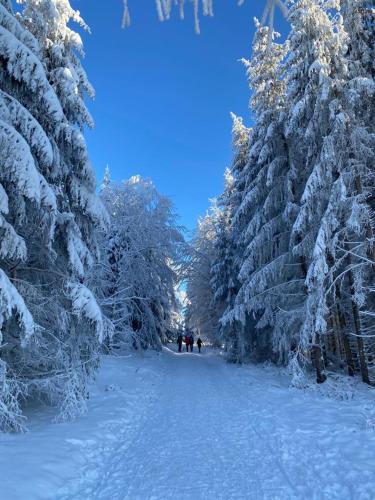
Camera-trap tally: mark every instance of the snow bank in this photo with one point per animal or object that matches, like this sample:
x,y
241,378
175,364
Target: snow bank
x,y
36,465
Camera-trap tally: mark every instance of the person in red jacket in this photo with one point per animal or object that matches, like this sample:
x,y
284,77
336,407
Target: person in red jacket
x,y
187,342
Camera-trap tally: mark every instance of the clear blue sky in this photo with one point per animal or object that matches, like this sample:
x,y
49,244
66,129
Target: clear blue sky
x,y
164,95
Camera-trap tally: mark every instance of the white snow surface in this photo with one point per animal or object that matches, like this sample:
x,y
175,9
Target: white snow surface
x,y
189,426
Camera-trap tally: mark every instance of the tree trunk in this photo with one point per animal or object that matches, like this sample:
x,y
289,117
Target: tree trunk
x,y
345,340
318,361
340,322
358,332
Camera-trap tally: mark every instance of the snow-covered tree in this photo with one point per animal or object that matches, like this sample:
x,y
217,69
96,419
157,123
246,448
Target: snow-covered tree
x,y
202,312
80,213
358,238
314,72
137,276
345,246
229,249
49,216
61,50
305,222
259,219
333,235
26,196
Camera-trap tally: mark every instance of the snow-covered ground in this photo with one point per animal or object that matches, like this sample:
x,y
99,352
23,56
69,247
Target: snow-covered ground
x,y
184,426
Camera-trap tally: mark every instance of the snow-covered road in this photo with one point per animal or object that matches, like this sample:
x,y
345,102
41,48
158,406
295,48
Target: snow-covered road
x,y
184,426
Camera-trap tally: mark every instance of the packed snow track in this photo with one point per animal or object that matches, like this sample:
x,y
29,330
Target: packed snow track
x,y
185,426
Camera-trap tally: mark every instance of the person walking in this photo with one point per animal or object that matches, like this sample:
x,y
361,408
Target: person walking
x,y
179,342
199,344
191,342
187,342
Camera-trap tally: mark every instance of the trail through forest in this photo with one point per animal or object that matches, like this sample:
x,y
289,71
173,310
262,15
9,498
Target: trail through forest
x,y
185,426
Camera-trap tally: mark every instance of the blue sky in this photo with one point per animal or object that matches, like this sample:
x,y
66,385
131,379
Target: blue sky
x,y
164,96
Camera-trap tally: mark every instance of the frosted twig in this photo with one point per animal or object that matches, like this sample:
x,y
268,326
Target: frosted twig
x,y
164,7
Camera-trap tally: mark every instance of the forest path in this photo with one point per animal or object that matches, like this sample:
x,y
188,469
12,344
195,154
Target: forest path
x,y
218,431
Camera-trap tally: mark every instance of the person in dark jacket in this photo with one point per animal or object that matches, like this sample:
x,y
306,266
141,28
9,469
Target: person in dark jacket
x,y
199,344
187,342
191,342
179,343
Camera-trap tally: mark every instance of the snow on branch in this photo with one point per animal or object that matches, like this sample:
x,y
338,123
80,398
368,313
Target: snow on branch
x,y
11,302
164,8
85,306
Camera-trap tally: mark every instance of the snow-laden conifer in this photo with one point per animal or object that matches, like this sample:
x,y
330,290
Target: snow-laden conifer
x,y
315,71
49,209
28,201
344,251
62,273
261,227
229,249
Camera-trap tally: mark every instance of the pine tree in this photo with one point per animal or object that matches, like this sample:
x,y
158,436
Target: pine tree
x,y
334,210
27,200
260,217
347,232
357,241
225,267
77,329
314,73
48,217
